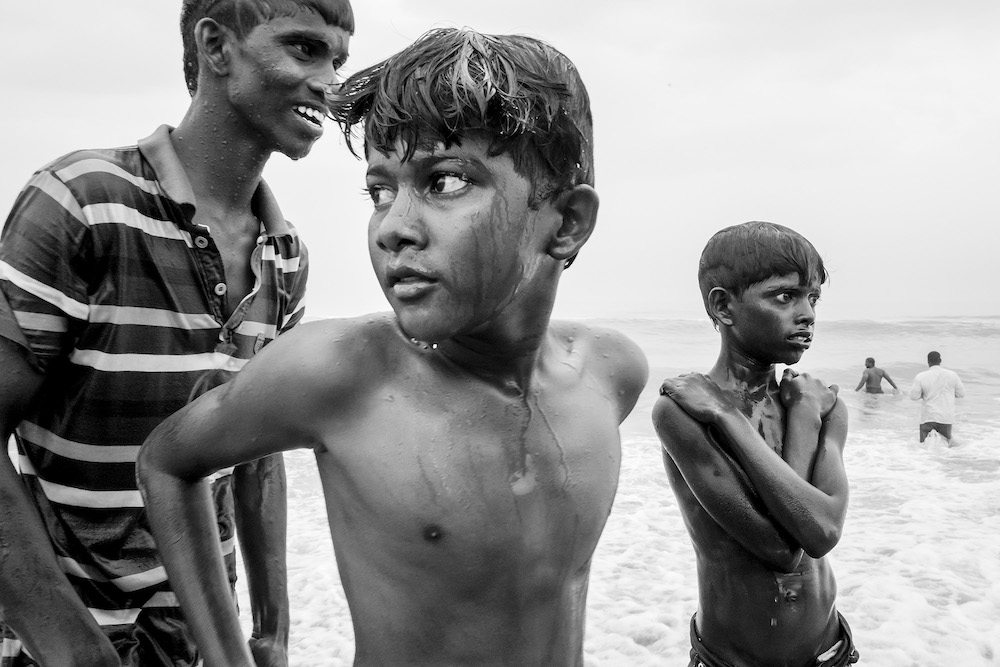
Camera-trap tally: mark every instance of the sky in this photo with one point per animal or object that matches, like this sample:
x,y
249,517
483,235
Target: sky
x,y
872,128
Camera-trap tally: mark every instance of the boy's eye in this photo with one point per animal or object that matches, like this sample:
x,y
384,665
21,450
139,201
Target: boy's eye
x,y
783,297
446,182
381,195
304,48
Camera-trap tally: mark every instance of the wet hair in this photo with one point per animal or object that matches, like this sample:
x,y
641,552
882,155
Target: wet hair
x,y
242,16
933,358
739,256
870,362
518,93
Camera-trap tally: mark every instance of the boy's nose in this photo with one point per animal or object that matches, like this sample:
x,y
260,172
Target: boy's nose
x,y
807,312
401,226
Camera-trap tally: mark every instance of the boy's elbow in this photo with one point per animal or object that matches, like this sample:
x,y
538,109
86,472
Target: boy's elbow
x,y
150,461
824,542
784,560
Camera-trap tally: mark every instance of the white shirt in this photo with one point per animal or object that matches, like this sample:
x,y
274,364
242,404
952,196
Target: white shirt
x,y
939,387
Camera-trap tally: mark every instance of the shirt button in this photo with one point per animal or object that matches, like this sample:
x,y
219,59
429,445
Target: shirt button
x,y
201,241
220,289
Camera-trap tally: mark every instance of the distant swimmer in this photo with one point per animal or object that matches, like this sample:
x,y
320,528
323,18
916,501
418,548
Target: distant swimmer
x,y
871,379
938,388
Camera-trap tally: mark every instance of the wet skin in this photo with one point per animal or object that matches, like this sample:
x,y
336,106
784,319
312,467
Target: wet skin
x,y
281,66
468,448
465,516
454,243
756,467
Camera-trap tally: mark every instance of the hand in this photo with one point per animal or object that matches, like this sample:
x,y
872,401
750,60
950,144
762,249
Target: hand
x,y
698,395
267,652
797,388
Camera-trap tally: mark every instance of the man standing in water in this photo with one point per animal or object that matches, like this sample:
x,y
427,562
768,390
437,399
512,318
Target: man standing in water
x,y
938,388
125,275
871,379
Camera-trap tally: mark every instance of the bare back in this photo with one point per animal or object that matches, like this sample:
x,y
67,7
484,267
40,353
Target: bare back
x,y
873,380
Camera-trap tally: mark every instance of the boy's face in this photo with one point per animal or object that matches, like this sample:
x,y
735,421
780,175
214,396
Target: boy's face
x,y
452,238
773,320
279,76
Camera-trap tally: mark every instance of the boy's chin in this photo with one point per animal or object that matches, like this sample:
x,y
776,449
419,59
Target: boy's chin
x,y
419,329
792,358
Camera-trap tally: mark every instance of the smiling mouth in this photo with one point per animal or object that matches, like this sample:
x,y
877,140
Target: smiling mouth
x,y
311,115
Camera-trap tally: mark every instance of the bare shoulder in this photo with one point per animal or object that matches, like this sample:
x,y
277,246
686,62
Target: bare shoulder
x,y
673,425
329,355
605,354
604,350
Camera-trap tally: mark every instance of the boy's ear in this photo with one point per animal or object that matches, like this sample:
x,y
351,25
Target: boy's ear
x,y
720,303
577,208
213,45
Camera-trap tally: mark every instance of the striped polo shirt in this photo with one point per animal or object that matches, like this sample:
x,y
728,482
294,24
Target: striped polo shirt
x,y
120,298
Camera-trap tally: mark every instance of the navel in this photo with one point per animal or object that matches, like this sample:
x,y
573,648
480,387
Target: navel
x,y
433,533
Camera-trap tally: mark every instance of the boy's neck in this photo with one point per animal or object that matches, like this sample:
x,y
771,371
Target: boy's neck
x,y
736,370
223,166
507,360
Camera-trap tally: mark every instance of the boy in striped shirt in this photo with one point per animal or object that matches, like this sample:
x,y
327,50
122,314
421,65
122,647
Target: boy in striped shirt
x,y
125,276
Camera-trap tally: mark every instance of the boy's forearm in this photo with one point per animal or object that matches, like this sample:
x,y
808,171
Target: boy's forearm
x,y
37,600
804,511
802,429
261,520
182,516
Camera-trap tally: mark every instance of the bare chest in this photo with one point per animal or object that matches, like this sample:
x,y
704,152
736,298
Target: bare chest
x,y
480,475
768,419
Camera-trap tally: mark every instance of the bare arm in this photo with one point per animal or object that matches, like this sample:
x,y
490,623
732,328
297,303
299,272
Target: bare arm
x,y
37,600
807,402
242,421
811,510
889,380
812,515
720,487
864,376
259,492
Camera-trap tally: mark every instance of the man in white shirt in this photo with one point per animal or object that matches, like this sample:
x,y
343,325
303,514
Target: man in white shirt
x,y
938,388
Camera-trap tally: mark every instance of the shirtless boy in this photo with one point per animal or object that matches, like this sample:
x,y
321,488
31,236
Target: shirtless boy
x,y
757,465
871,379
468,447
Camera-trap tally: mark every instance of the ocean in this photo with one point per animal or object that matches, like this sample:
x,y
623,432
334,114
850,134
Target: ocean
x,y
918,566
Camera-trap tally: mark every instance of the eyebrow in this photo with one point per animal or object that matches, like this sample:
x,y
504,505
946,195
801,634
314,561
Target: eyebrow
x,y
316,36
428,162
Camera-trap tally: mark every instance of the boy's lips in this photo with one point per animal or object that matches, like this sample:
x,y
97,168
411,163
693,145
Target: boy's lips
x,y
408,283
803,338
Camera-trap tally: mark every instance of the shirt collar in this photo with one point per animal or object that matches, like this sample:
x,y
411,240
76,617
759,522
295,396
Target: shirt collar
x,y
160,153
